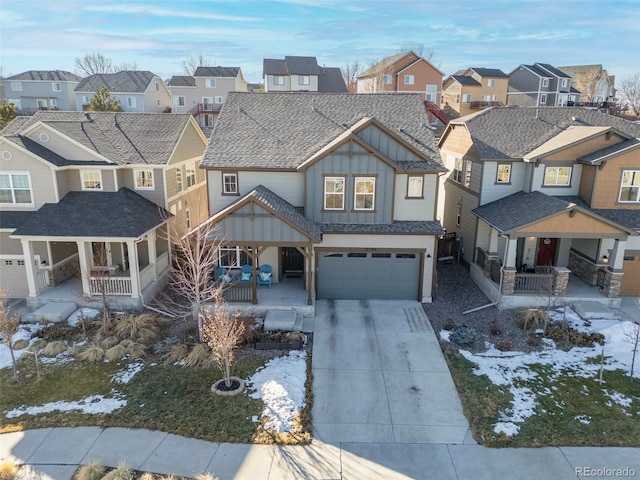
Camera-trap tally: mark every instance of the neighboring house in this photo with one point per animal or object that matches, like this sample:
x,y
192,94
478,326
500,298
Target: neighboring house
x,y
404,72
137,91
41,90
301,74
540,85
473,89
596,85
75,183
340,189
545,200
203,94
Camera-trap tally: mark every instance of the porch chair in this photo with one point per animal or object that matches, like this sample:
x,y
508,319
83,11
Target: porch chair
x,y
245,275
264,275
223,275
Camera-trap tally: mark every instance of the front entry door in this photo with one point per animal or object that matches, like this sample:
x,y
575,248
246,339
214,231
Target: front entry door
x,y
292,260
546,252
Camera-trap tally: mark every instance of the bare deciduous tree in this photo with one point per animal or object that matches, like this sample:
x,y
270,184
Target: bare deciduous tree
x,y
92,63
630,93
418,48
222,331
194,61
350,72
100,281
192,270
8,328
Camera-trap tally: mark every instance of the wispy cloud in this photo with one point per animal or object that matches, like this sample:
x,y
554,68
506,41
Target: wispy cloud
x,y
168,12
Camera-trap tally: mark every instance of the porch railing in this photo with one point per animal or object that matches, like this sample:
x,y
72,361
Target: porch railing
x,y
495,271
110,285
42,279
238,292
533,282
480,256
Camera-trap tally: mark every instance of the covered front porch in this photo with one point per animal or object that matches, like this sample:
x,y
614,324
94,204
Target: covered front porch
x,y
262,229
535,250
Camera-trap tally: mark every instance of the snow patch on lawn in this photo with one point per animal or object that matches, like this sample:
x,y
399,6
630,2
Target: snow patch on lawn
x,y
280,385
94,404
444,335
124,376
513,368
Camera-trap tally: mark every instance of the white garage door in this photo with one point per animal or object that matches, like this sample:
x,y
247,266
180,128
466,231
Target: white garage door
x,y
362,275
13,278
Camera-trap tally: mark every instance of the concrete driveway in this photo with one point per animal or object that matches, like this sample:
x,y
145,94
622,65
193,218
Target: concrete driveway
x,y
379,376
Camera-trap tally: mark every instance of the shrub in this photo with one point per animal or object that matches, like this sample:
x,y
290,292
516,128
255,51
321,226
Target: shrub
x,y
120,473
109,342
536,318
144,328
93,354
57,331
504,346
463,336
495,329
91,471
115,353
135,350
76,350
534,341
54,348
20,344
562,332
200,356
176,353
449,324
37,345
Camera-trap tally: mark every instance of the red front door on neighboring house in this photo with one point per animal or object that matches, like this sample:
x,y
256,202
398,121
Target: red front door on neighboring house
x,y
546,252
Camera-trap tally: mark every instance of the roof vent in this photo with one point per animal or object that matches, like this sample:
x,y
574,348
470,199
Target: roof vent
x,y
86,114
575,119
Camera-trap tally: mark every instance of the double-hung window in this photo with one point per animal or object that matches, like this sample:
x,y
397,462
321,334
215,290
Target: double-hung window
x,y
630,186
386,79
91,180
131,102
191,175
334,193
545,82
16,86
180,101
304,80
56,86
415,186
466,98
144,179
491,82
457,170
409,79
15,189
278,80
210,82
504,173
557,176
230,184
364,193
179,179
543,98
232,257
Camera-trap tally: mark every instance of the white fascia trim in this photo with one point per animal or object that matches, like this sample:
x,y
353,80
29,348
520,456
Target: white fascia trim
x,y
32,155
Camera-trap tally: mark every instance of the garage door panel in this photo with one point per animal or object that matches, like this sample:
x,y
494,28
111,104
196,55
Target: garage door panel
x,y
631,279
362,275
13,278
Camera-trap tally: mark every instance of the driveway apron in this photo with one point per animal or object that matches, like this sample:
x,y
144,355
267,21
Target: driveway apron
x,y
380,376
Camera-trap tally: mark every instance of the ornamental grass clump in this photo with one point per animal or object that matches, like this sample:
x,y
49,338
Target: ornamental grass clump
x,y
55,348
93,354
91,471
143,328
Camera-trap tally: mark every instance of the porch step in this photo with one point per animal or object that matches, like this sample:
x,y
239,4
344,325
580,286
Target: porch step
x,y
594,310
280,320
51,312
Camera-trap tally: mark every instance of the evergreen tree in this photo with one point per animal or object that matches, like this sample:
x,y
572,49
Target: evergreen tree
x,y
102,101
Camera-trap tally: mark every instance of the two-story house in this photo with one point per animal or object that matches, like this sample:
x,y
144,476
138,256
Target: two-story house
x,y
41,90
596,85
540,85
473,89
339,188
545,202
137,90
203,94
73,184
301,74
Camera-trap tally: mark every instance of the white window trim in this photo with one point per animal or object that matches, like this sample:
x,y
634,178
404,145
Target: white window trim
x,y
466,98
235,182
15,102
58,84
16,86
409,79
131,102
343,193
82,180
278,80
179,181
180,101
457,175
211,83
13,195
545,82
508,180
387,79
190,174
544,178
543,99
136,171
218,99
637,173
302,78
356,194
491,82
564,83
409,194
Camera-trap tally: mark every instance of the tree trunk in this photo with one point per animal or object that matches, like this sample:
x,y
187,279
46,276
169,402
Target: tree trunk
x,y
13,358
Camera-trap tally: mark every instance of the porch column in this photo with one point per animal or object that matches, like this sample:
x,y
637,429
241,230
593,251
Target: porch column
x,y
134,268
27,251
85,268
510,254
560,280
493,241
613,276
153,253
254,274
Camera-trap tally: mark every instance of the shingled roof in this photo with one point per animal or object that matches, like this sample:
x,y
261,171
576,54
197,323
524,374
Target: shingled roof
x,y
122,138
127,81
121,214
217,71
47,75
466,80
291,65
182,81
610,151
513,132
282,130
489,72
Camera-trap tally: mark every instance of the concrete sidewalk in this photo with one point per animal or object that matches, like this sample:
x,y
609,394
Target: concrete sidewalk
x,y
54,453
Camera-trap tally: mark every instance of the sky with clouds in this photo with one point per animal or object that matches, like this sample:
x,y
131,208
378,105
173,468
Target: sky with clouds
x,y
157,35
